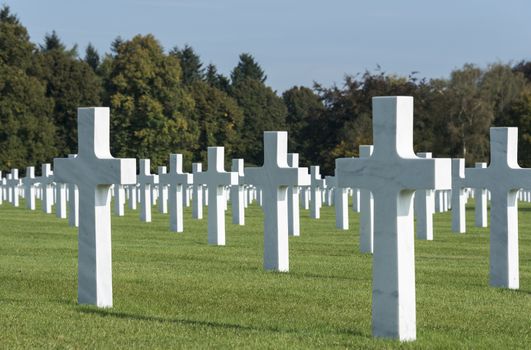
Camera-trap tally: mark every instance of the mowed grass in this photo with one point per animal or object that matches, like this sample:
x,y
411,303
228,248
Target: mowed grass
x,y
175,291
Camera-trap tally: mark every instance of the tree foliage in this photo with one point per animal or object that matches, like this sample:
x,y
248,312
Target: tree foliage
x,y
148,102
219,119
70,83
27,132
191,66
263,111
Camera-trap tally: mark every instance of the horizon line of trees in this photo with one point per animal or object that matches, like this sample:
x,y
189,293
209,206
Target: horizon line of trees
x,y
170,102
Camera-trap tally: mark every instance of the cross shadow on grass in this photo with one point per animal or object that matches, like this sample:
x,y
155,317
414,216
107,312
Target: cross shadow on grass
x,y
311,275
513,291
213,324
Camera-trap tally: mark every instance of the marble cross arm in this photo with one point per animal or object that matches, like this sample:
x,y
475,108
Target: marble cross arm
x,y
489,177
100,172
368,173
280,177
176,179
147,179
331,181
220,179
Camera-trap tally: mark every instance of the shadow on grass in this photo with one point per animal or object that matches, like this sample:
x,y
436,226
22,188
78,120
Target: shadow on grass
x,y
320,276
212,324
513,291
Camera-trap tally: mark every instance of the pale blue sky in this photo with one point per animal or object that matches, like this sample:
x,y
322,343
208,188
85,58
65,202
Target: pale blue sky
x,y
298,42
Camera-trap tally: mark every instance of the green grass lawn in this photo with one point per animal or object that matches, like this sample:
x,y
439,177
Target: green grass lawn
x,y
174,291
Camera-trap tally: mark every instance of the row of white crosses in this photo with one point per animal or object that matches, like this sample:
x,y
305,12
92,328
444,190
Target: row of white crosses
x,y
387,175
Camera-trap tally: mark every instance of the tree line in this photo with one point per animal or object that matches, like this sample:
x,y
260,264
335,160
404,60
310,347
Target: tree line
x,y
170,101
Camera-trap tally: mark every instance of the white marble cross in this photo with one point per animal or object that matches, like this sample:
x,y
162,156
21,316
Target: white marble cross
x,y
366,210
60,202
13,182
216,178
317,183
2,187
29,187
458,195
46,180
163,191
146,180
73,202
424,209
132,196
197,195
273,178
237,193
393,173
480,198
355,200
119,200
340,202
293,200
503,178
177,181
94,170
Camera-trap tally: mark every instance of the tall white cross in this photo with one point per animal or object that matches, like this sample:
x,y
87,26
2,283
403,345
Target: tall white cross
x,y
480,198
29,187
73,202
273,178
340,202
216,178
356,200
46,180
13,182
132,196
317,183
237,194
2,187
177,180
197,196
392,174
424,209
94,170
503,178
458,195
293,200
60,200
146,180
119,200
163,191
366,209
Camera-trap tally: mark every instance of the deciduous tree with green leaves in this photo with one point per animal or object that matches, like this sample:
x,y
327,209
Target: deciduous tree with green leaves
x,y
150,108
27,132
70,83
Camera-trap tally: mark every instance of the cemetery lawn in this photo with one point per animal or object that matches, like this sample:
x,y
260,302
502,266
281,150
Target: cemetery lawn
x,y
174,291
